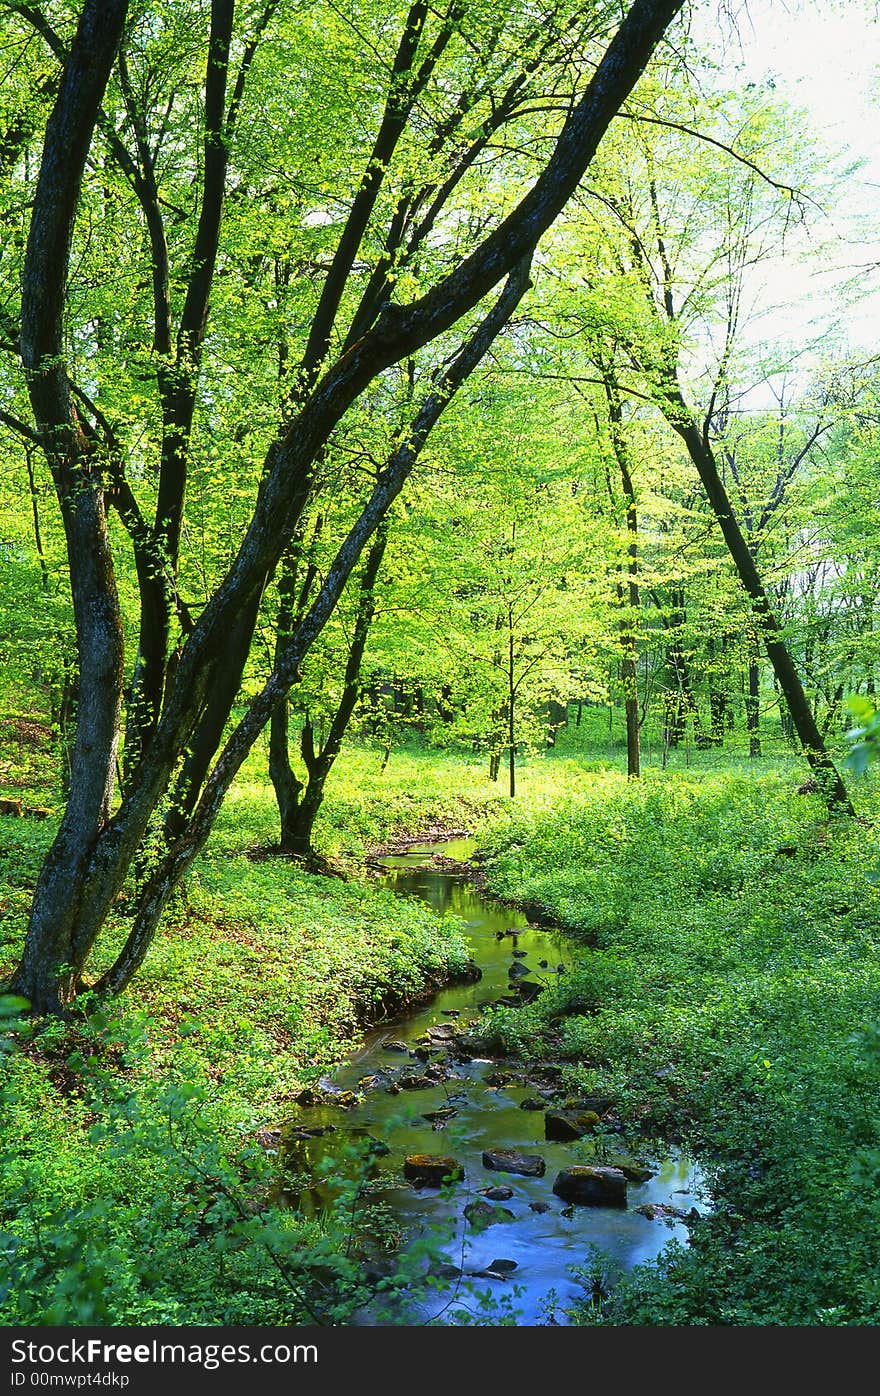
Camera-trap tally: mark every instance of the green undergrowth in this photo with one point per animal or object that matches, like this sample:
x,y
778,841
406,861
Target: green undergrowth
x,y
364,806
136,1175
724,985
725,988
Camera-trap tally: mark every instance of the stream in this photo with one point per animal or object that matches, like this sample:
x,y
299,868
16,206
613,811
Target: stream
x,y
525,1254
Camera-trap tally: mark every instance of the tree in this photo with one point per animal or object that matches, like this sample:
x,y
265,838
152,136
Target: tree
x,y
96,847
629,626
662,292
299,801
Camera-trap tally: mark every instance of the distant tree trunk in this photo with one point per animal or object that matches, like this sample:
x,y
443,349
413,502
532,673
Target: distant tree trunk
x,y
663,368
557,717
680,700
499,717
443,704
718,697
633,748
511,706
827,776
717,714
673,715
753,708
832,712
498,739
629,630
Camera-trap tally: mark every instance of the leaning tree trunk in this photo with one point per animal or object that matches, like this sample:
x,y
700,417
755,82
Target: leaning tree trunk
x,y
225,684
827,776
154,896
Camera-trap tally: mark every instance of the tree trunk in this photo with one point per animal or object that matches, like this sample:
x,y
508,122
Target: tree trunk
x,y
680,700
753,708
55,950
443,704
629,630
826,773
557,718
673,708
718,698
511,706
285,782
717,714
299,802
177,379
222,690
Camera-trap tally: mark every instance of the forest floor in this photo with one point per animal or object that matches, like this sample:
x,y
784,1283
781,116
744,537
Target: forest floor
x,y
724,987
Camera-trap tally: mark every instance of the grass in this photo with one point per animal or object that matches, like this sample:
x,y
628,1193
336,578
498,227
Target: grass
x,y
134,1189
726,990
725,984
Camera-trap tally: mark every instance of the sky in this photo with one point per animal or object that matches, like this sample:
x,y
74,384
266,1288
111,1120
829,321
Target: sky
x,y
823,55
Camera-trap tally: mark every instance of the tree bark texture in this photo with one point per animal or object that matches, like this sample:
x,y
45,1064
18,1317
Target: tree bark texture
x,y
54,950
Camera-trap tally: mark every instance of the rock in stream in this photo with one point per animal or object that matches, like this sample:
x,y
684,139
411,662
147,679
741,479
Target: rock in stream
x,y
431,1170
591,1185
509,1161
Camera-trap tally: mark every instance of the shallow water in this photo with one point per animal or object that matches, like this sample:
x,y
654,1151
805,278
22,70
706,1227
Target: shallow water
x,y
544,1244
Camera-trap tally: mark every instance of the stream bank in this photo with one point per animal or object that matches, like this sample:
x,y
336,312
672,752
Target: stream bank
x,y
525,1163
